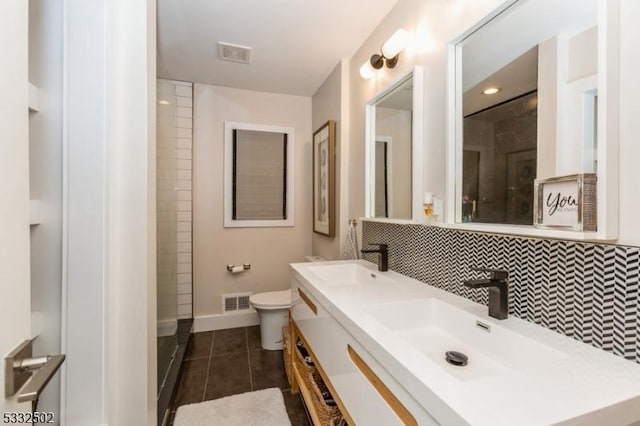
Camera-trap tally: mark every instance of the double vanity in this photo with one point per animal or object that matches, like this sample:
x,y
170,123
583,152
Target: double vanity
x,y
529,102
393,350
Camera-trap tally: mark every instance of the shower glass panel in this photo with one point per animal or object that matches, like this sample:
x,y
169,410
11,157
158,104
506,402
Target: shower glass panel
x,y
166,228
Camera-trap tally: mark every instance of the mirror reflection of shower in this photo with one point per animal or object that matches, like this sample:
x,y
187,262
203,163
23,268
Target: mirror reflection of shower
x,y
499,162
166,207
174,137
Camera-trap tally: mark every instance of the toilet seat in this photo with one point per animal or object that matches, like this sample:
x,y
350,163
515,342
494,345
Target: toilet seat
x,y
271,300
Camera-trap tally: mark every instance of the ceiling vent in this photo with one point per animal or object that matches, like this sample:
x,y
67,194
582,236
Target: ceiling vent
x,y
234,52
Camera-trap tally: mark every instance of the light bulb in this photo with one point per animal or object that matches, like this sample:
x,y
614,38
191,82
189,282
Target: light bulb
x,y
396,44
367,71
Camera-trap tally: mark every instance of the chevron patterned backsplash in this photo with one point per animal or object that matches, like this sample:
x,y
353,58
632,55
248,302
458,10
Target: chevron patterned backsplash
x,y
583,290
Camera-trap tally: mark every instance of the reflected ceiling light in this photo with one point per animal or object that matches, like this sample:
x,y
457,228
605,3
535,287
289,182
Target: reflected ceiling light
x,y
163,102
389,56
491,90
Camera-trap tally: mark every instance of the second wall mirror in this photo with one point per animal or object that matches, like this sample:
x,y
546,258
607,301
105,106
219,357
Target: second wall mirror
x,y
394,140
527,104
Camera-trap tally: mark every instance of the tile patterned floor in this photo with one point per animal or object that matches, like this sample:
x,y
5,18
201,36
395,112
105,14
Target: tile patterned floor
x,y
227,362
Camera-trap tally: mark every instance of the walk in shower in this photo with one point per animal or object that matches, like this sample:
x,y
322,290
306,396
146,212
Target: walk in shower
x,y
174,115
173,209
166,208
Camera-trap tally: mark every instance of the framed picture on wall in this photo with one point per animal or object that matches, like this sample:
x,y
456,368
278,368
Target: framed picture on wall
x,y
566,202
324,181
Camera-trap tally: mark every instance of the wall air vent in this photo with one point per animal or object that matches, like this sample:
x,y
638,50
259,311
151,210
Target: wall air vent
x,y
234,52
237,302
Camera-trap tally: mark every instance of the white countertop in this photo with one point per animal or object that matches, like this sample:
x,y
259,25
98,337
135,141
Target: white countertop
x,y
589,386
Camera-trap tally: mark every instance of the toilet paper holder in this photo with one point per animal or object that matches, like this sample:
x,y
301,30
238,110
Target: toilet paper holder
x,y
245,266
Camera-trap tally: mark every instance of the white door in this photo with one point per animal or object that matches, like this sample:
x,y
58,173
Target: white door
x,y
15,315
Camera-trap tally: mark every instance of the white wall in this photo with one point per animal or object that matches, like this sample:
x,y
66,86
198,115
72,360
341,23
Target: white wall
x,y
15,319
577,73
109,327
326,105
45,181
83,339
268,250
131,173
629,122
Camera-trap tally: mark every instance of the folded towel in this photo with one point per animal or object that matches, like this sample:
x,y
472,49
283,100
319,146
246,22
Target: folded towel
x,y
350,249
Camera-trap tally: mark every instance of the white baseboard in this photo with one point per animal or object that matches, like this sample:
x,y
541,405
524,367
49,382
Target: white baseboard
x,y
167,327
220,321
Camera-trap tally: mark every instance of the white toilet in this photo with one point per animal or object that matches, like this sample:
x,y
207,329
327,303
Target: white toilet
x,y
273,309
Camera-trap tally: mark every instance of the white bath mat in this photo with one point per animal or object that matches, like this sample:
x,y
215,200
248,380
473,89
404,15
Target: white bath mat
x,y
264,408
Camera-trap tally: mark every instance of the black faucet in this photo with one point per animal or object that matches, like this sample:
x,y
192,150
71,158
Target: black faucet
x,y
498,291
383,255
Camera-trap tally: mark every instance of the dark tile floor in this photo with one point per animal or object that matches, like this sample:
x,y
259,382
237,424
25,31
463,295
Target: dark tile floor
x,y
227,362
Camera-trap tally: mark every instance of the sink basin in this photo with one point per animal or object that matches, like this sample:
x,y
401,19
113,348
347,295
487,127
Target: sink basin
x,y
434,327
350,274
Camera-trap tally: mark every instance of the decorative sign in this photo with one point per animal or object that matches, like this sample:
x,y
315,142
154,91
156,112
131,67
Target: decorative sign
x,y
566,202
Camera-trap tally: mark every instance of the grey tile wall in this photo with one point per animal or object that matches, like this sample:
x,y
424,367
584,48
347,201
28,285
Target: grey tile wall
x,y
583,290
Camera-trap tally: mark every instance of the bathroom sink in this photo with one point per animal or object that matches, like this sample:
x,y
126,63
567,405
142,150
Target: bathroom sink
x,y
434,327
351,274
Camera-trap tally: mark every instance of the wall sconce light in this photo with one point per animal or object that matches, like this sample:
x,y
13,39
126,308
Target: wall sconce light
x,y
389,56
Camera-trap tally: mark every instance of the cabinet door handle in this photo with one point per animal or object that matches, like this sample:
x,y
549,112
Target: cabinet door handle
x,y
401,411
308,301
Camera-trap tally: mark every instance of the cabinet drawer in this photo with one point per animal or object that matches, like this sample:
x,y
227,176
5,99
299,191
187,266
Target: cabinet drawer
x,y
369,394
304,305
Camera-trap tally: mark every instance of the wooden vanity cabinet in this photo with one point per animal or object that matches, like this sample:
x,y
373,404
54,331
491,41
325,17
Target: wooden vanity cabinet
x,y
364,391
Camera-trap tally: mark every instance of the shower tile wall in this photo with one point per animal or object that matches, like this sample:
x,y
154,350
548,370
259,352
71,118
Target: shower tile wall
x,y
166,223
583,290
184,152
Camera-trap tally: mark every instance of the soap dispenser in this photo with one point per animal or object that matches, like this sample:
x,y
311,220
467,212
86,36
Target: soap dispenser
x,y
427,206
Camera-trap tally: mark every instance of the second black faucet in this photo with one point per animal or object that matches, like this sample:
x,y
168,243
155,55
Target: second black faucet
x,y
383,255
498,291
